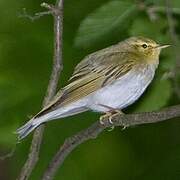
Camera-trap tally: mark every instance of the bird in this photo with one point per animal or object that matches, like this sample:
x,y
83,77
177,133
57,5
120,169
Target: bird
x,y
105,81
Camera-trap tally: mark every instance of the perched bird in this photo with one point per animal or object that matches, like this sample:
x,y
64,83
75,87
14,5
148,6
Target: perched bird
x,y
105,81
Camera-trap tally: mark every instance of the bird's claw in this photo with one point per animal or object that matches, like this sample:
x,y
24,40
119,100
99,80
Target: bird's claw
x,y
110,116
123,128
101,119
111,129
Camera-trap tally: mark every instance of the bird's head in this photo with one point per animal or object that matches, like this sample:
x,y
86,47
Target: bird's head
x,y
144,48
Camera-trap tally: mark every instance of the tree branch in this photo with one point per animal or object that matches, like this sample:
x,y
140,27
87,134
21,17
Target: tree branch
x,y
94,130
57,12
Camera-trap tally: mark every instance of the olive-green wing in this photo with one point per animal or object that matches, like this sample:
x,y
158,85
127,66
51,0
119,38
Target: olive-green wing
x,y
93,73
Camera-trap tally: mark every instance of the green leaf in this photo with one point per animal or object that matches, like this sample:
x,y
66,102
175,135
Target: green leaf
x,y
113,16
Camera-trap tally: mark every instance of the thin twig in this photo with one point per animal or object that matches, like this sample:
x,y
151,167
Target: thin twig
x,y
34,17
9,154
33,155
94,130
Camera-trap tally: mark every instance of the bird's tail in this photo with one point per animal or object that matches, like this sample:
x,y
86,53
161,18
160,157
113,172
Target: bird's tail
x,y
27,128
32,124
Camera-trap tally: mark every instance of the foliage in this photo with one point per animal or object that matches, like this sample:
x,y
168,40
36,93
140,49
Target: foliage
x,y
26,49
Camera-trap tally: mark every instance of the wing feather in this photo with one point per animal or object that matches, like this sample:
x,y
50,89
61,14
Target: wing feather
x,y
89,76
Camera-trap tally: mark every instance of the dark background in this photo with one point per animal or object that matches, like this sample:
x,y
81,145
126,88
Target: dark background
x,y
26,48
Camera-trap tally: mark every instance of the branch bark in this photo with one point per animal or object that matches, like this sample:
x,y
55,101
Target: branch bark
x,y
94,130
33,156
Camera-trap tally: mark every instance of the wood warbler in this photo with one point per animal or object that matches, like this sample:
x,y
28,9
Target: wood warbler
x,y
104,81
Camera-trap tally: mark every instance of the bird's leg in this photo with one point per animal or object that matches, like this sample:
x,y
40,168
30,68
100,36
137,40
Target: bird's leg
x,y
115,113
106,115
110,114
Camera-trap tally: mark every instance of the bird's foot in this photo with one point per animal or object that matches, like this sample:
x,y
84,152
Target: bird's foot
x,y
106,115
110,115
124,127
110,128
115,113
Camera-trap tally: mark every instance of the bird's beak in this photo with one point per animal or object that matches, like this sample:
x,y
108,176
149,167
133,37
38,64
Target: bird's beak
x,y
162,46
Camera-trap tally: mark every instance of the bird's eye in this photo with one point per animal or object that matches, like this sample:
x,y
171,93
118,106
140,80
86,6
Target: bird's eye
x,y
144,46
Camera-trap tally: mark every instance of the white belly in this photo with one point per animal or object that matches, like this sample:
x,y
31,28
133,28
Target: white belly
x,y
123,92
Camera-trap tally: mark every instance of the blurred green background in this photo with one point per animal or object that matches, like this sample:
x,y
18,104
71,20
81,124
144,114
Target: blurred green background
x,y
26,49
